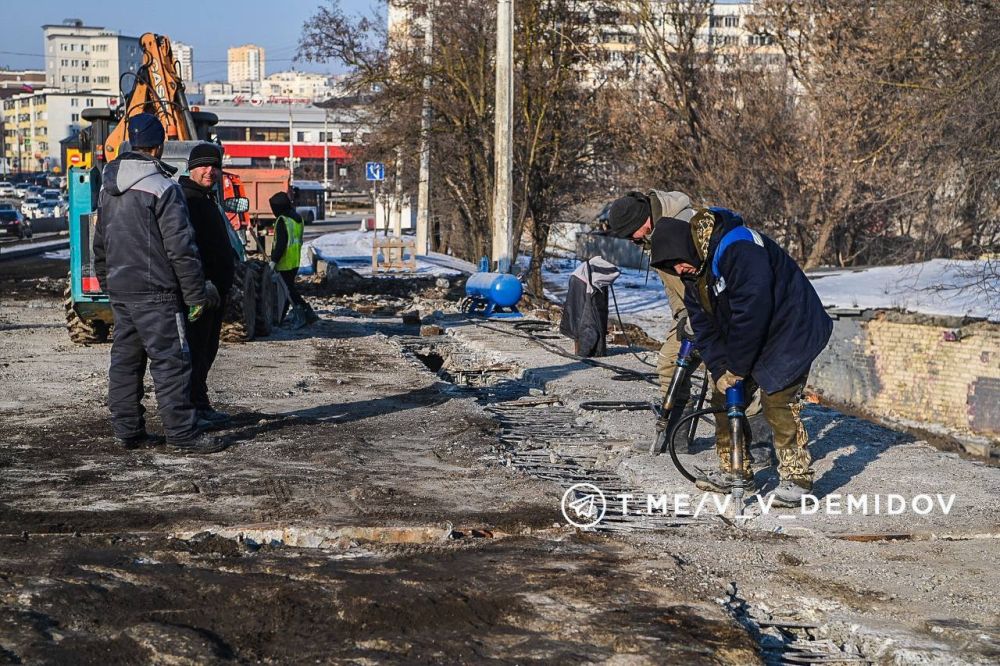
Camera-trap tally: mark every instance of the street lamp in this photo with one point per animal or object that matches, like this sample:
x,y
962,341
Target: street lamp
x,y
326,147
291,138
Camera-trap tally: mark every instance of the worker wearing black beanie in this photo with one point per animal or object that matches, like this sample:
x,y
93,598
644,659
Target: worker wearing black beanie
x,y
627,214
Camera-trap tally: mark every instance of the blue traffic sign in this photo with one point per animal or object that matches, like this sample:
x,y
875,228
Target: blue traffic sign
x,y
374,171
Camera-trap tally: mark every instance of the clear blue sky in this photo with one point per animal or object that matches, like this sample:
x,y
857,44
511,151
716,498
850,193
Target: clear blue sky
x,y
210,26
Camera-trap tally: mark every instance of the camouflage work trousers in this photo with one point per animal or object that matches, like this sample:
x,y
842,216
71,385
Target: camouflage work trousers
x,y
782,410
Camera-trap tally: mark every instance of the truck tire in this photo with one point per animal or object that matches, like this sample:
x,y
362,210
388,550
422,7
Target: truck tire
x,y
265,298
240,320
83,332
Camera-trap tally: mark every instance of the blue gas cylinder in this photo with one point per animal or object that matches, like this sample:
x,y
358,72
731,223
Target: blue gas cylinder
x,y
500,289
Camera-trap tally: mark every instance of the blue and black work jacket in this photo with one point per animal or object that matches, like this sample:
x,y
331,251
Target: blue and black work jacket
x,y
753,310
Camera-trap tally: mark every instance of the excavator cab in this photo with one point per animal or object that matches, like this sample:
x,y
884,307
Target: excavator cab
x,y
88,313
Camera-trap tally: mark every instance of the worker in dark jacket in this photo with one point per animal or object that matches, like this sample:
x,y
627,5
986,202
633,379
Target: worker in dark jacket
x,y
146,261
218,259
755,317
287,250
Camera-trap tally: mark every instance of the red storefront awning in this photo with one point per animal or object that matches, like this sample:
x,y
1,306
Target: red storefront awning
x,y
264,150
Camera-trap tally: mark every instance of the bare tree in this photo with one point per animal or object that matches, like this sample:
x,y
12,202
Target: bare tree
x,y
557,129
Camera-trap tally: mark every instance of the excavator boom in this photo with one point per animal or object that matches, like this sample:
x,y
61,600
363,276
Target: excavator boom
x,y
157,90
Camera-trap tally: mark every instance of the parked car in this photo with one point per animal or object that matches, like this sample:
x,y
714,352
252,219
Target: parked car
x,y
13,222
7,190
30,204
21,189
51,195
6,205
35,190
48,208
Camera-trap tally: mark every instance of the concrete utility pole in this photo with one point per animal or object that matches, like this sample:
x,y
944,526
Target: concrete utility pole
x,y
397,204
326,148
291,138
503,249
424,184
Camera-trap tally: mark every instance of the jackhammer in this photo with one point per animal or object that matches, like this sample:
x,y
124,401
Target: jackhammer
x,y
670,411
735,406
672,422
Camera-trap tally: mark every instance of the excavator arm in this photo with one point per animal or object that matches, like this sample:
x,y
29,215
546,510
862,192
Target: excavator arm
x,y
157,90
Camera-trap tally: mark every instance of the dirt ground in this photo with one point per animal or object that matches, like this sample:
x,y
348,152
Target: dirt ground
x,y
108,556
362,514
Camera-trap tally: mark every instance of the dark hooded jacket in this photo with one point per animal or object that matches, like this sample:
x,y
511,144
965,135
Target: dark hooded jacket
x,y
218,259
144,250
281,206
753,310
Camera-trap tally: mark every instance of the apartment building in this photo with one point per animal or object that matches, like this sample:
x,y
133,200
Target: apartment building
x,y
246,63
35,123
88,58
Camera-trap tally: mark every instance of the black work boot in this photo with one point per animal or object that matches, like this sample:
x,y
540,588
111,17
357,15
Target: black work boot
x,y
213,418
142,439
199,445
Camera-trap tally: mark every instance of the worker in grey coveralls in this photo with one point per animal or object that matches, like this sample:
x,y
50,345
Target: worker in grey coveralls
x,y
147,262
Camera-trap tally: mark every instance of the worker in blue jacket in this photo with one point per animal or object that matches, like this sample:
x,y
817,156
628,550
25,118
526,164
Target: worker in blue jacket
x,y
755,317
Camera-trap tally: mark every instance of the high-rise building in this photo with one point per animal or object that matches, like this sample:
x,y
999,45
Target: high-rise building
x,y
184,55
88,58
246,63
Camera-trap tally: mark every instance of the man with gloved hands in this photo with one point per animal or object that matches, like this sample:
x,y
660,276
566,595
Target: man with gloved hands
x,y
756,318
146,260
218,260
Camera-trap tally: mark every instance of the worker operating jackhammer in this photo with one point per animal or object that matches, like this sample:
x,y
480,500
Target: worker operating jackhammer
x,y
634,217
756,318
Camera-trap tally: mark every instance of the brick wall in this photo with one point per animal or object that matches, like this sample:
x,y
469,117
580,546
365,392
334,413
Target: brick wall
x,y
902,366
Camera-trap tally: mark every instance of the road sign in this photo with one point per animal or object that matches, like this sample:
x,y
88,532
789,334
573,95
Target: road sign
x,y
374,171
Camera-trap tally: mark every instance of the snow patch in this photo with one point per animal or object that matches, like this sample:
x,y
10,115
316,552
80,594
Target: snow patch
x,y
353,249
938,287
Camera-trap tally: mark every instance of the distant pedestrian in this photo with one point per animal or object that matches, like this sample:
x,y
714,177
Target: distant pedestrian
x,y
147,262
287,250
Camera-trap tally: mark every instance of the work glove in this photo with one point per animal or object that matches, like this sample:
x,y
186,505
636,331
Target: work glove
x,y
684,330
212,293
727,381
194,312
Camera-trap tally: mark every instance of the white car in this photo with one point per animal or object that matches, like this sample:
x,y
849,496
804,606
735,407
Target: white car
x,y
30,205
7,191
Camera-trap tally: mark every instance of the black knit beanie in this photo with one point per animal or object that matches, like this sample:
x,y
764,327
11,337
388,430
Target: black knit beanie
x,y
205,154
628,214
281,204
